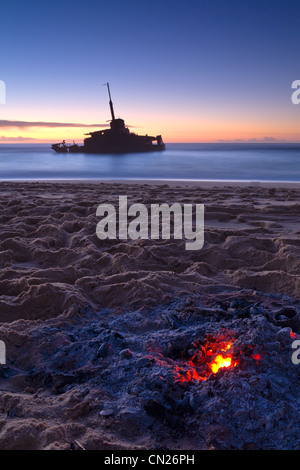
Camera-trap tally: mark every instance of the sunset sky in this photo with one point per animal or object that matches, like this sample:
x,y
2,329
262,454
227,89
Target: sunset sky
x,y
191,70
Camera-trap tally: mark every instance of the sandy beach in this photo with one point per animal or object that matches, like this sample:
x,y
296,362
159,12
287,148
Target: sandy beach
x,y
90,325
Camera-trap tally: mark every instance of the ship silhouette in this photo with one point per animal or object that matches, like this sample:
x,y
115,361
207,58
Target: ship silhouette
x,y
117,139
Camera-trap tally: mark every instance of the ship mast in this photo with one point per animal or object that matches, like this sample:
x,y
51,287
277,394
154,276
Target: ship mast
x,y
110,103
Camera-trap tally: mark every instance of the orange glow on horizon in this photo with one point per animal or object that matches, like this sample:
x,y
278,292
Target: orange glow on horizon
x,y
172,129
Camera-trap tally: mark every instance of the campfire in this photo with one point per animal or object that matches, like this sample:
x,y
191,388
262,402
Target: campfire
x,y
208,359
215,371
210,356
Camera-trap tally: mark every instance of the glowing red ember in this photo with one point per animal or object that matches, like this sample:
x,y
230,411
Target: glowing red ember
x,y
222,360
213,356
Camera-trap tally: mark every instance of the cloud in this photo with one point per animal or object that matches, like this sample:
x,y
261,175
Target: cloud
x,y
24,124
3,138
253,140
272,139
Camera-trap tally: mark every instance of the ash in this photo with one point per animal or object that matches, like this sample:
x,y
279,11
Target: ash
x,y
116,379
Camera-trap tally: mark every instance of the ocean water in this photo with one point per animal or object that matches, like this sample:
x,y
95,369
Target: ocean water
x,y
212,162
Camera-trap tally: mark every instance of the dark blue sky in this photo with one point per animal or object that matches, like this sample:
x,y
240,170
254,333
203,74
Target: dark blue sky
x,y
202,69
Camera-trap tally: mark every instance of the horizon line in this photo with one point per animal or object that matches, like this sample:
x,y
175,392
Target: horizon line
x,y
221,141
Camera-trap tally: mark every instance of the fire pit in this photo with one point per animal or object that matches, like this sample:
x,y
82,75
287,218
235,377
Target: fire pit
x,y
209,371
213,355
206,357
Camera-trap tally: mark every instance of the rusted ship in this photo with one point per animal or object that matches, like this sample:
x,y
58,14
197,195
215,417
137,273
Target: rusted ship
x,y
116,139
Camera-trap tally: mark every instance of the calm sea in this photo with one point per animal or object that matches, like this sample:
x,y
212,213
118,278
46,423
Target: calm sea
x,y
230,162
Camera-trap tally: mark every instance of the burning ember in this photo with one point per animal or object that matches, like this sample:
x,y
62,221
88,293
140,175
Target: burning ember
x,y
220,362
209,358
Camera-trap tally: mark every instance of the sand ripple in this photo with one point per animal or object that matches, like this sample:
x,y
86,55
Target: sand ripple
x,y
52,261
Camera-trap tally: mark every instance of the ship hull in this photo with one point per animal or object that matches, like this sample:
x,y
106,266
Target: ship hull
x,y
116,140
111,146
82,149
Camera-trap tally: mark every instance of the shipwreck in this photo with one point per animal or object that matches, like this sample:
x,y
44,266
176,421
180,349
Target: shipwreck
x,y
116,139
